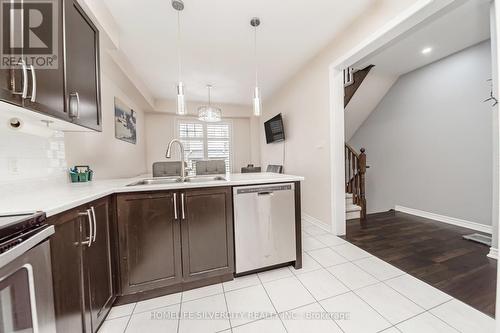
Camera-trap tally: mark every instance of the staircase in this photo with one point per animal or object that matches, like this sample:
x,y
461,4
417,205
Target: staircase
x,y
352,81
352,211
355,170
355,163
370,93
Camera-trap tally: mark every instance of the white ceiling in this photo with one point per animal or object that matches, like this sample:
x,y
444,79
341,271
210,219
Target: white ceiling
x,y
448,33
218,42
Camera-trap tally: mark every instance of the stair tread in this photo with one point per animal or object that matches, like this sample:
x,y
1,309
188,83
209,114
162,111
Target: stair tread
x,y
352,208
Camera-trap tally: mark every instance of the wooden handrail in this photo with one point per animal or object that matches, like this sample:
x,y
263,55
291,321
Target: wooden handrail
x,y
355,171
352,150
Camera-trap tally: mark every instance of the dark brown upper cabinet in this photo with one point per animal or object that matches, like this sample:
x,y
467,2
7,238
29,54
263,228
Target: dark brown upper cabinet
x,y
69,91
11,79
46,86
207,233
168,238
29,81
11,86
82,267
149,241
82,67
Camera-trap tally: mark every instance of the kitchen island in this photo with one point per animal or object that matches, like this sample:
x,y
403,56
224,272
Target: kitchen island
x,y
54,197
121,241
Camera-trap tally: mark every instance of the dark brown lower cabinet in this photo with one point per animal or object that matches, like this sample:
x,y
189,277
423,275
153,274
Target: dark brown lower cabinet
x,y
82,267
207,233
149,241
67,272
98,265
174,237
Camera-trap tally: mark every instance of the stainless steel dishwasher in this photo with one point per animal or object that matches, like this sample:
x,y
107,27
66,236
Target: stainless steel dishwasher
x,y
264,226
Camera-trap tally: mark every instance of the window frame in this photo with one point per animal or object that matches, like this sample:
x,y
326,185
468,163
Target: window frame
x,y
204,138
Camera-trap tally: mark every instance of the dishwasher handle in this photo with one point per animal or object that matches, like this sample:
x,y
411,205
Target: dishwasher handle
x,y
264,190
265,193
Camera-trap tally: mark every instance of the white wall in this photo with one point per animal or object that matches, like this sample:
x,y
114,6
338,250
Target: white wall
x,y
429,141
305,102
106,155
28,157
25,157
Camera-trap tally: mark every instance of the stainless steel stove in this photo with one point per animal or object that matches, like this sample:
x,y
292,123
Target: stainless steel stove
x,y
26,298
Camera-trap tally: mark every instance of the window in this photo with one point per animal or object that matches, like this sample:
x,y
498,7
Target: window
x,y
205,141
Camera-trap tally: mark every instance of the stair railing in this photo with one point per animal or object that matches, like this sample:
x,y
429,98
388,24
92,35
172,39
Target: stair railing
x,y
355,172
349,76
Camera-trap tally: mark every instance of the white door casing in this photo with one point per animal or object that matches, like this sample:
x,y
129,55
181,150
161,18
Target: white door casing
x,y
401,24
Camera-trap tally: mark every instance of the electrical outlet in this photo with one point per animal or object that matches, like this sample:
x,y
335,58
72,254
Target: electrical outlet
x,y
12,166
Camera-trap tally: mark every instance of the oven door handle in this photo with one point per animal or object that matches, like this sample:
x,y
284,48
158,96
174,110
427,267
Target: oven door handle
x,y
24,246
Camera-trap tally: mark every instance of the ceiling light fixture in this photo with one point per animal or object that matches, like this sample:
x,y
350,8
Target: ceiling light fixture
x,y
178,5
427,50
209,113
257,102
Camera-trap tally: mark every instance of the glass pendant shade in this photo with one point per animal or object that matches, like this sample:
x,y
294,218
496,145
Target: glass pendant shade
x,y
257,103
178,5
181,100
209,113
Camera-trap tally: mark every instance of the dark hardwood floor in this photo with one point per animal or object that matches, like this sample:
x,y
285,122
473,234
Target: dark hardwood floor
x,y
432,251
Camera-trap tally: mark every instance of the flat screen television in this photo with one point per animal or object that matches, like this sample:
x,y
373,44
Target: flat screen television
x,y
274,129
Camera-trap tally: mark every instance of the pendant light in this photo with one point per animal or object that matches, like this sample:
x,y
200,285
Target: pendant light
x,y
178,5
257,102
209,113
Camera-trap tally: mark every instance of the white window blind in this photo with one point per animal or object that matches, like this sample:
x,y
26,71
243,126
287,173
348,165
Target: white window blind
x,y
191,135
205,141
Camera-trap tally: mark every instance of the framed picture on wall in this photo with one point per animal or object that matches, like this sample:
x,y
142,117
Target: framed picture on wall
x,y
125,122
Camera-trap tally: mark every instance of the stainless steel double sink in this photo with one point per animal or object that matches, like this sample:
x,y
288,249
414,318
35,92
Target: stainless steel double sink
x,y
174,180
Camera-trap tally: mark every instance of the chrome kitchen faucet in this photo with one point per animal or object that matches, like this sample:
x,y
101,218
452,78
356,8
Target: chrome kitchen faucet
x,y
169,155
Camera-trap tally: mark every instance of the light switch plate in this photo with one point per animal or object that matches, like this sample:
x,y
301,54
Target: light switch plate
x,y
12,166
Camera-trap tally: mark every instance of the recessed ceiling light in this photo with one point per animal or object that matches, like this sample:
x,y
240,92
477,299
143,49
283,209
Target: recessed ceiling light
x,y
427,50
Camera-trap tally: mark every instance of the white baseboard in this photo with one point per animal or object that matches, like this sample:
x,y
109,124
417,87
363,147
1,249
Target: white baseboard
x,y
316,222
445,219
493,253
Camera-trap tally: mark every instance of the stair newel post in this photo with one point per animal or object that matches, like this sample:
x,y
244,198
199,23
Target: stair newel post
x,y
362,172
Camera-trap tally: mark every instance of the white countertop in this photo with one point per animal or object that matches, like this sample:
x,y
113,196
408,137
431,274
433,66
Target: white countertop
x,y
56,197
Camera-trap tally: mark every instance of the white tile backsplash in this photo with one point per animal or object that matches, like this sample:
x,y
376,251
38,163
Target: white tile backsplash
x,y
25,157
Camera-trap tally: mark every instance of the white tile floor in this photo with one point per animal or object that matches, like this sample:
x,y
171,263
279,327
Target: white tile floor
x,y
340,289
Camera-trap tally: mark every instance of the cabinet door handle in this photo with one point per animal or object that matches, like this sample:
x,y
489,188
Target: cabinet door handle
x,y
74,106
182,204
24,92
33,84
88,242
95,224
175,206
